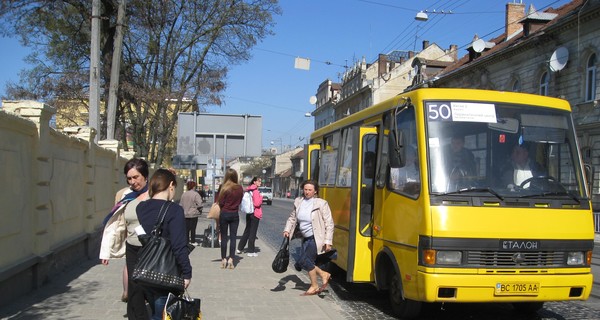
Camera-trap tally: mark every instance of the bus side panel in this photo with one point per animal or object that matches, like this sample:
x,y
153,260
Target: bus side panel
x,y
339,202
400,225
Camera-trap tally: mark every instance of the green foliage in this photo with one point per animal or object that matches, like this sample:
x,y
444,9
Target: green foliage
x,y
176,55
255,168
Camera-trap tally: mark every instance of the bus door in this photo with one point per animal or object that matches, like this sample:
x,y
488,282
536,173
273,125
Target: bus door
x,y
311,162
360,246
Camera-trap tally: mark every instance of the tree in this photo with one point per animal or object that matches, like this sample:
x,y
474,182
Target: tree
x,y
176,55
256,167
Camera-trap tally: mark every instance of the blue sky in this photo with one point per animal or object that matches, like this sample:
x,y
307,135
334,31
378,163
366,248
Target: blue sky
x,y
332,34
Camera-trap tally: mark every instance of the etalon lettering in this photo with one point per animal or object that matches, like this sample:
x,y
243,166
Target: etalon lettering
x,y
520,245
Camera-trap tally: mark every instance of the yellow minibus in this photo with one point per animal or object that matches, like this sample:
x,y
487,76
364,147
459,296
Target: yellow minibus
x,y
458,195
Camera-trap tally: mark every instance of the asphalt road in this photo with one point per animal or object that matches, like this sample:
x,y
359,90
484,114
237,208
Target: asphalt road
x,y
363,301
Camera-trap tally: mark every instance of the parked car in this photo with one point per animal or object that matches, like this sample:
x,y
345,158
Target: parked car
x,y
267,194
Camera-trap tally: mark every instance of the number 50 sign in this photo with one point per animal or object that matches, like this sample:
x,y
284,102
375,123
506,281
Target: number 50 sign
x,y
461,111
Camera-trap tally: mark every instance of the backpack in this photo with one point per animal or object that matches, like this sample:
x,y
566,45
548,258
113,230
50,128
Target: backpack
x,y
247,206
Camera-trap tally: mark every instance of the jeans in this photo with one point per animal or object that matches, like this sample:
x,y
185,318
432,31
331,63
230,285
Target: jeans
x,y
159,306
249,233
228,221
190,226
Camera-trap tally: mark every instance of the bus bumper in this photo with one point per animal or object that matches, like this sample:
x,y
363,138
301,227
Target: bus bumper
x,y
503,288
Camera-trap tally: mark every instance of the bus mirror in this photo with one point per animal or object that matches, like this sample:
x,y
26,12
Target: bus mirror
x,y
589,174
508,125
396,149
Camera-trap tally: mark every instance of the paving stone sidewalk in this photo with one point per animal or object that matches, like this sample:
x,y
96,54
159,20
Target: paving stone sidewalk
x,y
250,291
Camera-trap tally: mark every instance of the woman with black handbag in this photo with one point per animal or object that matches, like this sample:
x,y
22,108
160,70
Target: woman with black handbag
x,y
162,191
313,217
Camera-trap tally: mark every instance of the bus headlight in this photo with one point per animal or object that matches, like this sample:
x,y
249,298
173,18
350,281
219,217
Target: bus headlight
x,y
449,257
575,258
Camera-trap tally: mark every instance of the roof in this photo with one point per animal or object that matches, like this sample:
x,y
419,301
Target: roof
x,y
286,173
562,12
298,155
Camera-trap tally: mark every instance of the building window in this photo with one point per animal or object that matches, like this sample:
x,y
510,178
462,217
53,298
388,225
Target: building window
x,y
590,79
544,79
516,86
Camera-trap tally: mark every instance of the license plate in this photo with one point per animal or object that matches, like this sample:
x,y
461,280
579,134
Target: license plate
x,y
517,288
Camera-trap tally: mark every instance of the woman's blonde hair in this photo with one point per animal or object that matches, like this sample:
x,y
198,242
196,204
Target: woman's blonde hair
x,y
231,180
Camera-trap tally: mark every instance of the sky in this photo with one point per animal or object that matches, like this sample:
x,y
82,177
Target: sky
x,y
333,34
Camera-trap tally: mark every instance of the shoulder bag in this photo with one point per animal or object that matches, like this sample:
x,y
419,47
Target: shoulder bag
x,y
214,212
157,266
282,259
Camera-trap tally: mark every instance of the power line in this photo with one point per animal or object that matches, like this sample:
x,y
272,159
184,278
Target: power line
x,y
329,63
266,104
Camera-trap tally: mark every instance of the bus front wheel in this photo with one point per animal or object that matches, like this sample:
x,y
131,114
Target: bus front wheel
x,y
403,308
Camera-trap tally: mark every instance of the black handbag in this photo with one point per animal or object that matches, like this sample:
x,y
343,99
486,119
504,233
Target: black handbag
x,y
282,259
182,307
156,266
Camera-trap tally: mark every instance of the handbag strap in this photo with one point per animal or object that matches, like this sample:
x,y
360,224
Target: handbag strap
x,y
157,230
285,243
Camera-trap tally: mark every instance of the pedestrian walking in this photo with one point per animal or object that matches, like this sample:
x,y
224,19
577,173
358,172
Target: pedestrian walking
x,y
191,201
252,220
229,199
311,216
162,191
119,238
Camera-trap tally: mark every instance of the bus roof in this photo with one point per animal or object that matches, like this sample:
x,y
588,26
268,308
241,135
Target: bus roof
x,y
445,94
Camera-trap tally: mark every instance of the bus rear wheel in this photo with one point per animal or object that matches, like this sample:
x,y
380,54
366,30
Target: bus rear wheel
x,y
402,307
527,307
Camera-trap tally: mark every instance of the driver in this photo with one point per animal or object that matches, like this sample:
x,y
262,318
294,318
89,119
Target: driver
x,y
521,168
459,157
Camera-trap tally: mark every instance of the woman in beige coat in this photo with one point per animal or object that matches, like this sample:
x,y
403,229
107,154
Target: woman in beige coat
x,y
312,217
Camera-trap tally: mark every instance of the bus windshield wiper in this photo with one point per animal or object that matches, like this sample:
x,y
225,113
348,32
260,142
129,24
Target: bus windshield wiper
x,y
552,193
473,189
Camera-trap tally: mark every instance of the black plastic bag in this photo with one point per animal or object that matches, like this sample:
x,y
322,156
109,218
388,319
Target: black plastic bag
x,y
282,259
182,307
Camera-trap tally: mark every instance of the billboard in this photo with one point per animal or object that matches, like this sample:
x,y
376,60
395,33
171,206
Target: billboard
x,y
203,137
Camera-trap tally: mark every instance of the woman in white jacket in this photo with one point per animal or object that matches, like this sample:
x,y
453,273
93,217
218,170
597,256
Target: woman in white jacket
x,y
119,238
312,215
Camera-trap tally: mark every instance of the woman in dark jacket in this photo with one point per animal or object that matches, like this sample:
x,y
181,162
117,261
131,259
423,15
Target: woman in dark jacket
x,y
229,199
162,191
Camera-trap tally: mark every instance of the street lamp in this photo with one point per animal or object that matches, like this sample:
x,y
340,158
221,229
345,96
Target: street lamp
x,y
280,144
421,16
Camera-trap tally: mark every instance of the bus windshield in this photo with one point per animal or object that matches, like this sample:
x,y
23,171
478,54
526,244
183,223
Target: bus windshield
x,y
502,150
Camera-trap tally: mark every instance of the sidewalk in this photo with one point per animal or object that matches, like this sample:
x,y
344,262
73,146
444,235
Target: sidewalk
x,y
250,291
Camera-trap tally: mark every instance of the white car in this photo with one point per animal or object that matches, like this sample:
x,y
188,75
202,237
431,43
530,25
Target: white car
x,y
267,194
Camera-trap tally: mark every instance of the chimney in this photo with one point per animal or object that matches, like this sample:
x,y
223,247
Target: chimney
x,y
514,13
454,52
411,54
382,64
425,44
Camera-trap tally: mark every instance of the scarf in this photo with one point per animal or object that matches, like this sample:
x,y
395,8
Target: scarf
x,y
126,199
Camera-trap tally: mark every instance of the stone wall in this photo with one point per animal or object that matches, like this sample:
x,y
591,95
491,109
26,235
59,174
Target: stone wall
x,y
57,188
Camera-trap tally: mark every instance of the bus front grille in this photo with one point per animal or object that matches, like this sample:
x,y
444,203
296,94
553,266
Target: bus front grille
x,y
516,259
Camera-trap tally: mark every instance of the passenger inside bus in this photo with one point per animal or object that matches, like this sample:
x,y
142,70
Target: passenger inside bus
x,y
520,168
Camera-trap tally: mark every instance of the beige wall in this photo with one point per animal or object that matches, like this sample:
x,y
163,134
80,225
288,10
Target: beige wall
x,y
56,190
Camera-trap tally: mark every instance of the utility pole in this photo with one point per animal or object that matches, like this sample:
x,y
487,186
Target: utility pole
x,y
114,74
94,101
